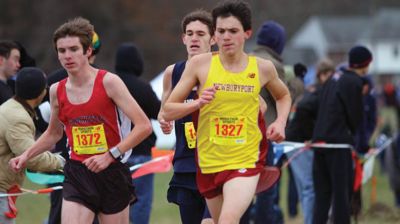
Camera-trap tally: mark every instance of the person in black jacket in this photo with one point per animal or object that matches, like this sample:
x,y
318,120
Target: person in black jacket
x,y
9,65
340,113
300,129
129,66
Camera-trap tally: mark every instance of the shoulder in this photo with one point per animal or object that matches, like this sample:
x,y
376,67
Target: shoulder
x,y
114,86
265,65
53,89
350,78
200,59
168,71
111,79
15,113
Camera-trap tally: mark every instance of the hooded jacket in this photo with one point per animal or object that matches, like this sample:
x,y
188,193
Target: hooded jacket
x,y
129,67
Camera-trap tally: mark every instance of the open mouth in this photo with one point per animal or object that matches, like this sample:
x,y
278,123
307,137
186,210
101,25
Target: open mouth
x,y
194,47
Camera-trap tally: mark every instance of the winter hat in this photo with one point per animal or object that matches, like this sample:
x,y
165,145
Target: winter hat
x,y
96,44
359,57
272,35
128,59
30,83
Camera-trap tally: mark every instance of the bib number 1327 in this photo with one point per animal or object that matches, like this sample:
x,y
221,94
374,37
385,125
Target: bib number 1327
x,y
228,130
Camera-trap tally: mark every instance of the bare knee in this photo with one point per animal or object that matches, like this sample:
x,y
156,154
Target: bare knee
x,y
228,218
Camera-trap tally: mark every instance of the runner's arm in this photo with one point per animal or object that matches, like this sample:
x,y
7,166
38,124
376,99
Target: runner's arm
x,y
175,107
269,77
119,93
166,126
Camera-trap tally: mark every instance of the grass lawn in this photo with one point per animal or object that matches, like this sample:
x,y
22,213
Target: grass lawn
x,y
33,209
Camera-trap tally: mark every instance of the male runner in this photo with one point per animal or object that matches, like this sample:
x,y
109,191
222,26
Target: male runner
x,y
86,105
228,135
197,36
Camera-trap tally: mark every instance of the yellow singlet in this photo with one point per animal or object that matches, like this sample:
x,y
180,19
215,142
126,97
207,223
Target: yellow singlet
x,y
228,134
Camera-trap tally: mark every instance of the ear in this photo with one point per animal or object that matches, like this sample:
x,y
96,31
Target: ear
x,y
89,51
183,38
1,60
247,34
212,41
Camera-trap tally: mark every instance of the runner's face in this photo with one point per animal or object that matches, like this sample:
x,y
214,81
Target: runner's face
x,y
70,53
229,35
197,38
12,64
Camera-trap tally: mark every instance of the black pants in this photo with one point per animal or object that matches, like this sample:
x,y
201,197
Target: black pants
x,y
333,180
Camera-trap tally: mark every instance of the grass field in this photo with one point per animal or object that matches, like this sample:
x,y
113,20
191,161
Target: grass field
x,y
33,209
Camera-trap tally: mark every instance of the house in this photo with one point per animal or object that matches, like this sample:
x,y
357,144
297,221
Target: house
x,y
333,36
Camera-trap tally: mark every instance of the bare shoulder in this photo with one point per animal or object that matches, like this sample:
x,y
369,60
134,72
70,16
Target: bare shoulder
x,y
267,70
168,71
265,65
201,59
199,66
53,90
113,84
111,79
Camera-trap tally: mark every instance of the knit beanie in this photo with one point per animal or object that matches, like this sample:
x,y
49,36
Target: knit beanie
x,y
271,34
96,44
30,83
359,57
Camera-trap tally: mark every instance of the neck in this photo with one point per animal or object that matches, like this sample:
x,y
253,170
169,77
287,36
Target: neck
x,y
82,76
235,62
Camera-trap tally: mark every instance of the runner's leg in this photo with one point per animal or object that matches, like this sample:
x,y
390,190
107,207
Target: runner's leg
x,y
237,196
214,206
121,217
73,213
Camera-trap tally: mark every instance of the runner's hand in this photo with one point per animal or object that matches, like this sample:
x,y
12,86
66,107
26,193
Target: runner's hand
x,y
276,132
206,96
166,126
17,163
98,163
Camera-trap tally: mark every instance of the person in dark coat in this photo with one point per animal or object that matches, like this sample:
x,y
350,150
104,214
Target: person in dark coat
x,y
129,67
339,116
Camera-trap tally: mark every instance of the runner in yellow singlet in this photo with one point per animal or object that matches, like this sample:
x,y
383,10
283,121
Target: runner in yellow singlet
x,y
228,136
229,124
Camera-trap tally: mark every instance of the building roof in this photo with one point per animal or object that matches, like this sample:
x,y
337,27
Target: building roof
x,y
343,31
385,25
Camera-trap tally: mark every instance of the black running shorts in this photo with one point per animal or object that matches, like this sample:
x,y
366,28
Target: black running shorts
x,y
108,192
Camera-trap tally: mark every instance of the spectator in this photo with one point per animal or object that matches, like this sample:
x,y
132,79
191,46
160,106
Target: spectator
x,y
340,114
300,129
17,133
129,67
9,65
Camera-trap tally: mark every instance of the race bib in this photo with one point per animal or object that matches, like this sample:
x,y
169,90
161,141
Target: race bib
x,y
190,134
89,139
228,130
